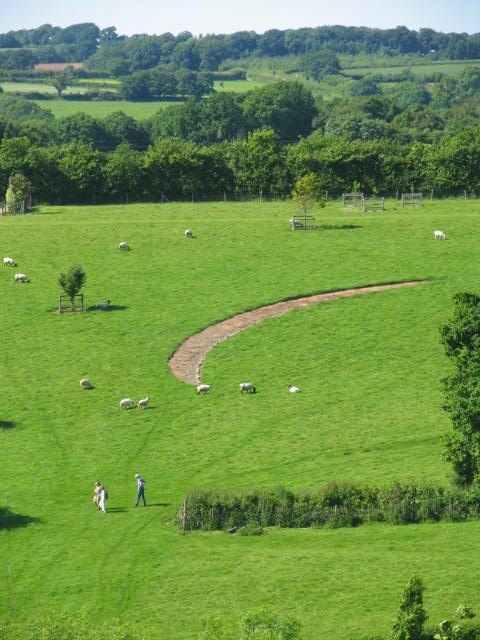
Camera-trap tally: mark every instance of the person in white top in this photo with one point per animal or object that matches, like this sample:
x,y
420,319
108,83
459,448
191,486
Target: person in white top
x,y
102,498
140,490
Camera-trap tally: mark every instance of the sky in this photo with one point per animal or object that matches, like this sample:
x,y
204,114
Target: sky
x,y
227,16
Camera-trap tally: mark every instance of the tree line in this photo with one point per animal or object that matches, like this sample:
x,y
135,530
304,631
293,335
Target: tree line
x,y
120,55
174,169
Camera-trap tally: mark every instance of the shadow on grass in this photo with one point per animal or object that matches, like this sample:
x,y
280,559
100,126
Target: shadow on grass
x,y
6,424
116,510
10,520
112,307
337,227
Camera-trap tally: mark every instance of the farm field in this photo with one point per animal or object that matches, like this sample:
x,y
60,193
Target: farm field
x,y
369,367
102,108
239,86
452,68
39,87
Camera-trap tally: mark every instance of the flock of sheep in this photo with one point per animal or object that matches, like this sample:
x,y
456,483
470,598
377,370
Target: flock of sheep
x,y
125,403
246,387
19,277
202,388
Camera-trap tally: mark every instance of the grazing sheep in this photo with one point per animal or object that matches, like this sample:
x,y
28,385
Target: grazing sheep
x,y
439,235
188,233
9,262
105,304
85,384
248,387
295,223
203,388
127,403
21,277
142,404
124,246
293,389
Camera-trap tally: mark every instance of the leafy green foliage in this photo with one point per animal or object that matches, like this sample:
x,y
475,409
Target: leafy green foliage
x,y
334,505
461,338
307,192
412,616
72,281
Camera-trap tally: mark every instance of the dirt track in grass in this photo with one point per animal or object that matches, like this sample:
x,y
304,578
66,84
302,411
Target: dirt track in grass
x,y
187,361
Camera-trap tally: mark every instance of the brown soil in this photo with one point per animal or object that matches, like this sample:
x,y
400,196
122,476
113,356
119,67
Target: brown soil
x,y
187,361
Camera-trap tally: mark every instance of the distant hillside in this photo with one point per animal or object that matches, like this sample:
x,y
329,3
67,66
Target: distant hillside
x,y
107,52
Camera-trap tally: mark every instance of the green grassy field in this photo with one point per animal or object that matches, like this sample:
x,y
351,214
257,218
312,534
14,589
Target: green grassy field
x,y
420,69
369,367
101,109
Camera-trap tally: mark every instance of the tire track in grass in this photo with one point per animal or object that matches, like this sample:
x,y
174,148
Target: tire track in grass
x,y
187,361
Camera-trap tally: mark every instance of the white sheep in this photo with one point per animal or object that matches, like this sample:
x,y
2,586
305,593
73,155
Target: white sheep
x,y
142,404
293,389
9,262
127,403
21,277
203,388
85,384
188,233
248,387
439,235
124,246
105,304
295,223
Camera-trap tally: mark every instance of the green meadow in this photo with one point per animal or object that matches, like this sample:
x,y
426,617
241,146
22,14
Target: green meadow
x,y
369,368
102,108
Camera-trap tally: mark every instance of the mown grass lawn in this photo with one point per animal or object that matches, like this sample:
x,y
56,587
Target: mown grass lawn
x,y
369,367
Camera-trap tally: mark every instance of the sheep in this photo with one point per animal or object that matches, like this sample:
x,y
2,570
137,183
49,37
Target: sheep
x,y
293,389
9,262
295,223
248,387
439,235
203,388
142,404
85,384
188,233
105,304
124,246
127,403
21,277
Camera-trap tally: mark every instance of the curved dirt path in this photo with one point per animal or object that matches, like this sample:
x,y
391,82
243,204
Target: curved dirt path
x,y
187,361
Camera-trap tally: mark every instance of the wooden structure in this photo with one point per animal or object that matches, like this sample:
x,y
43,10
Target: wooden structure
x,y
65,304
353,200
374,203
412,200
303,223
18,207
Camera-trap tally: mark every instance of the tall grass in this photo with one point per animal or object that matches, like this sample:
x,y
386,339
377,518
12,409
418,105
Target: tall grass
x,y
369,411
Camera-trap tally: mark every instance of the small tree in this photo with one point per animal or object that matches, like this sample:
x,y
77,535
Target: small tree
x,y
307,192
62,80
412,616
18,188
72,281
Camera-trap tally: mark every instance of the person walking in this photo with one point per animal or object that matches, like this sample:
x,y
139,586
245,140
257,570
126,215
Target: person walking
x,y
102,498
140,490
96,491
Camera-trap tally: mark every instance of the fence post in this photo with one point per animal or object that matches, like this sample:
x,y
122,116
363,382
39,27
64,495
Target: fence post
x,y
184,515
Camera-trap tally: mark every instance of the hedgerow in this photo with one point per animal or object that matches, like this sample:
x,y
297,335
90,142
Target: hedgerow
x,y
333,505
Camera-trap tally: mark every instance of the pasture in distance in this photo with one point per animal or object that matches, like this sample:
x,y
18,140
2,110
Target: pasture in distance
x,y
370,411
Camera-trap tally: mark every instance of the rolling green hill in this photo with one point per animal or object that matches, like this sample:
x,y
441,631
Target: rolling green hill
x,y
369,367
